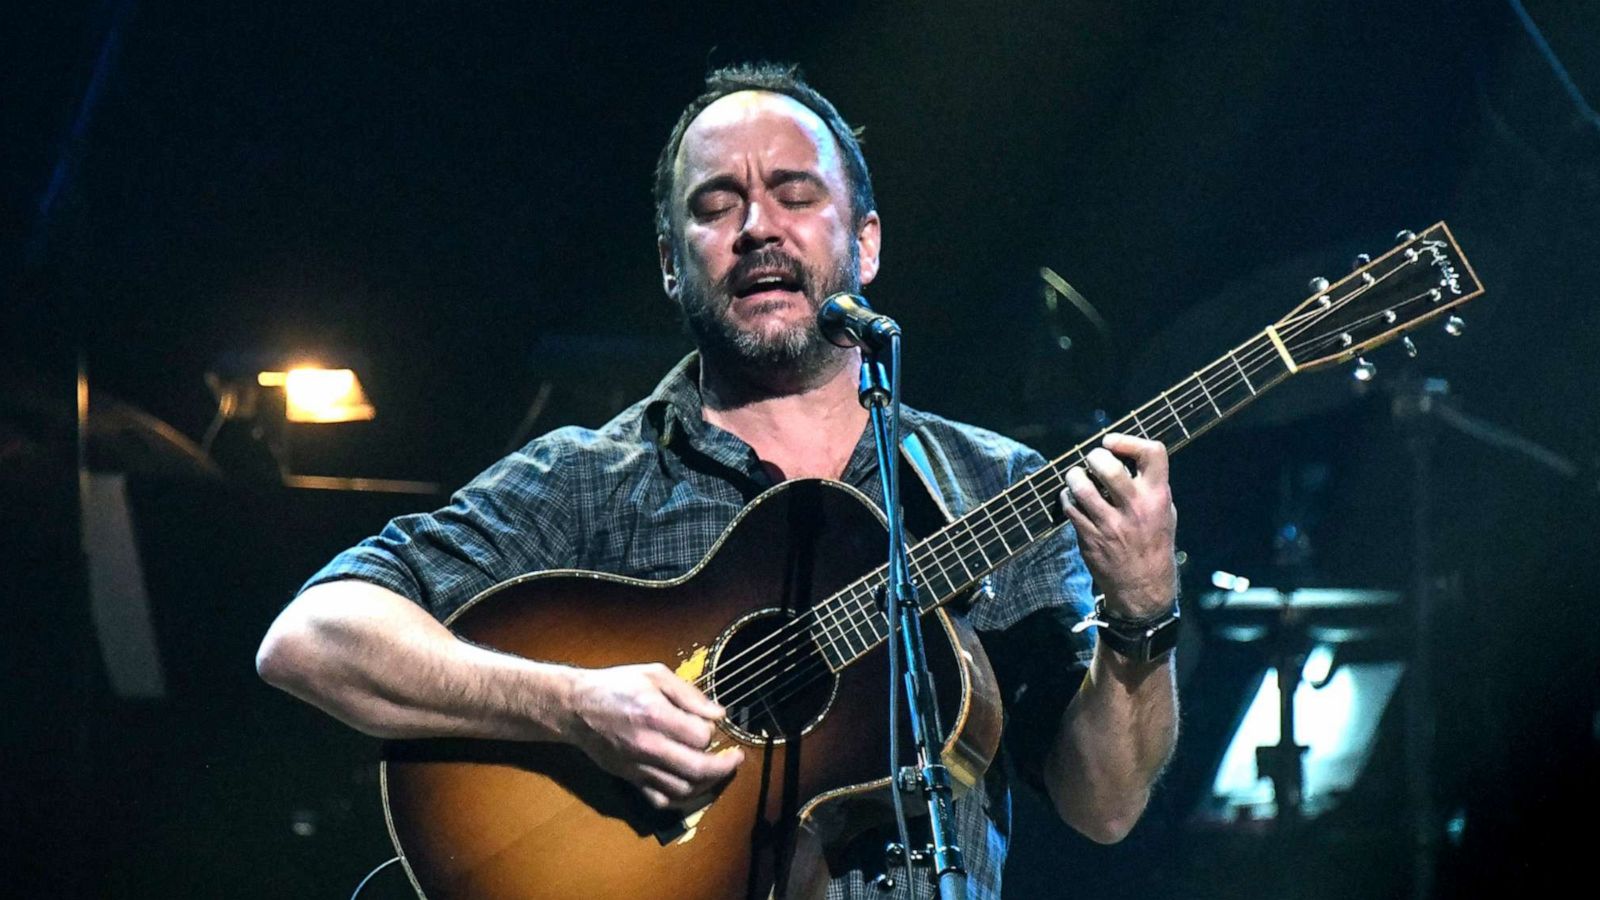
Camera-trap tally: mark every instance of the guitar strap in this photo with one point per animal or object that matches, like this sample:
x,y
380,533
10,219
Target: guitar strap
x,y
938,480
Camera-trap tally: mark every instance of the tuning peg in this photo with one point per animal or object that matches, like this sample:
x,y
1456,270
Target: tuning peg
x,y
1361,260
1319,284
1454,325
1403,235
1411,348
1365,371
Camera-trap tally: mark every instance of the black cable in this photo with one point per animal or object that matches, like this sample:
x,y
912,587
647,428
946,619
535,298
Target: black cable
x,y
889,457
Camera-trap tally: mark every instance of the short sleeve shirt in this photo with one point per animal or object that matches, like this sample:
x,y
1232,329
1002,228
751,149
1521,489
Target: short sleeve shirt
x,y
648,494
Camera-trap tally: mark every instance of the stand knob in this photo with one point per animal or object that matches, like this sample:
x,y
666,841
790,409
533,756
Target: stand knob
x,y
1319,284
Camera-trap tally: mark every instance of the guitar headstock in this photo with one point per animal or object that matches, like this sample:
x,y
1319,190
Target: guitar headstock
x,y
1422,278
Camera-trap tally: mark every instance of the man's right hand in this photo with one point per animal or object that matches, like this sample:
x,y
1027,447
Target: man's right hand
x,y
651,728
382,664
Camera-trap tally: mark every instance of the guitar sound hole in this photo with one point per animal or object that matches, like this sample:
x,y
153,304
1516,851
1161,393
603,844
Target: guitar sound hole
x,y
772,679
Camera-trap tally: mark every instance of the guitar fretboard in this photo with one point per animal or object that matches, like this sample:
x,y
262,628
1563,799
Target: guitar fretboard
x,y
953,559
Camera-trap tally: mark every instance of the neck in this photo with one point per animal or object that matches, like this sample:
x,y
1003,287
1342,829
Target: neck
x,y
799,426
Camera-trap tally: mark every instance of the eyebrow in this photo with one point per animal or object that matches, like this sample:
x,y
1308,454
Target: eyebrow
x,y
782,177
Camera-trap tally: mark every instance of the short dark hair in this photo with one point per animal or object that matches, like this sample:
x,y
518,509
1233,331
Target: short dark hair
x,y
776,78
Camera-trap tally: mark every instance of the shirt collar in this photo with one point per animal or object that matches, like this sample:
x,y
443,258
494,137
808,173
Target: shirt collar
x,y
674,411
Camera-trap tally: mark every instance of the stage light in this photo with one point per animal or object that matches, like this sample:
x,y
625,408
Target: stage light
x,y
1337,723
320,395
275,392
1319,666
1342,674
1228,581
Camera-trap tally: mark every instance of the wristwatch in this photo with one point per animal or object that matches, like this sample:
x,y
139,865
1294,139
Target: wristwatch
x,y
1141,640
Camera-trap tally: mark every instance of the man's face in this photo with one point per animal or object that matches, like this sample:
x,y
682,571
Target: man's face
x,y
763,232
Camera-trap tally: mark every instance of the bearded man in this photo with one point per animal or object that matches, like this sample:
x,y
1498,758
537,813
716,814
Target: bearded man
x,y
764,208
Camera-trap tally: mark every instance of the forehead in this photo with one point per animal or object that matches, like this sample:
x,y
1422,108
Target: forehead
x,y
757,128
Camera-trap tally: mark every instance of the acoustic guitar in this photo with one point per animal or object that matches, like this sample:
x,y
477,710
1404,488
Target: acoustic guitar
x,y
780,624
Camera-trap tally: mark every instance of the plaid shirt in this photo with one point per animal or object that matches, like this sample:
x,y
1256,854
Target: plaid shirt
x,y
647,494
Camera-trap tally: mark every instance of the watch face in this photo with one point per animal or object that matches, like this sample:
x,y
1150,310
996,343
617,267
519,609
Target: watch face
x,y
1163,638
1146,644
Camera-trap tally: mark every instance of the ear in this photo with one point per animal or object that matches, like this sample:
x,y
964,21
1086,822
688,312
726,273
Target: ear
x,y
669,267
869,240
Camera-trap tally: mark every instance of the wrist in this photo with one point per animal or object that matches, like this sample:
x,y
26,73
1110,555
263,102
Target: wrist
x,y
1145,639
562,699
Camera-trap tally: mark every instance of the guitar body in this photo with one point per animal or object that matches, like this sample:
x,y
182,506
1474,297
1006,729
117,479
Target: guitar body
x,y
500,820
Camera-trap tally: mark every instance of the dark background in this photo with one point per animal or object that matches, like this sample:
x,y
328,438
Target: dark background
x,y
451,193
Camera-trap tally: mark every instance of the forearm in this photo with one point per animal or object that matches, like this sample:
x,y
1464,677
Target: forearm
x,y
379,663
1113,742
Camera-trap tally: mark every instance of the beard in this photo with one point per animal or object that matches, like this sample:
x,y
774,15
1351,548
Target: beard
x,y
799,350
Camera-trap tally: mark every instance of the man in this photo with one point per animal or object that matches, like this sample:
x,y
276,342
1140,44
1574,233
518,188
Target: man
x,y
764,208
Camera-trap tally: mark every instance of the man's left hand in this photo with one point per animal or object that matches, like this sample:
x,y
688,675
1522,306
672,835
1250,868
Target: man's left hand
x,y
1126,524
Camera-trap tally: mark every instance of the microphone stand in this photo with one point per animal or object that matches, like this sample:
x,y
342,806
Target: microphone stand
x,y
904,612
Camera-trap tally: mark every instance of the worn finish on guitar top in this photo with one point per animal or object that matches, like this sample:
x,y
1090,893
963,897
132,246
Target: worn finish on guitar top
x,y
508,821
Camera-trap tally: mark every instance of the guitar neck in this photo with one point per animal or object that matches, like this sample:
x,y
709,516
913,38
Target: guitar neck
x,y
1420,279
950,561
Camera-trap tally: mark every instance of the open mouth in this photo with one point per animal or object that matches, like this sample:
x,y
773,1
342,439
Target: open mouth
x,y
766,284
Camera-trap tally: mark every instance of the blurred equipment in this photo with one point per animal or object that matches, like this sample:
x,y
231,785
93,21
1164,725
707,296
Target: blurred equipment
x,y
587,379
1067,371
1333,661
271,393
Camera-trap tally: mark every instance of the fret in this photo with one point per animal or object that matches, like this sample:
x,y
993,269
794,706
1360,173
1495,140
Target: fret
x,y
1204,390
866,629
1230,391
962,556
829,643
1175,415
1011,501
1242,373
1049,499
919,574
825,621
928,576
1138,426
999,532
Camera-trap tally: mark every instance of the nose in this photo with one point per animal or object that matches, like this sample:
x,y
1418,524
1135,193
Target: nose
x,y
758,229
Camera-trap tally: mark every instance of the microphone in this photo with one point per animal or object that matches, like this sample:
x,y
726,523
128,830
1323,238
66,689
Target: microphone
x,y
847,320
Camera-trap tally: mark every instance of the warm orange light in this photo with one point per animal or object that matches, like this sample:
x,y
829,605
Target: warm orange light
x,y
320,395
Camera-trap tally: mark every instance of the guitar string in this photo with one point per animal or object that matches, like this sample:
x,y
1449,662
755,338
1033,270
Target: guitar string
x,y
835,627
863,613
803,679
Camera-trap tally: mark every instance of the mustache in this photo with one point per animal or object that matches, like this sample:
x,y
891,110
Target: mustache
x,y
768,259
